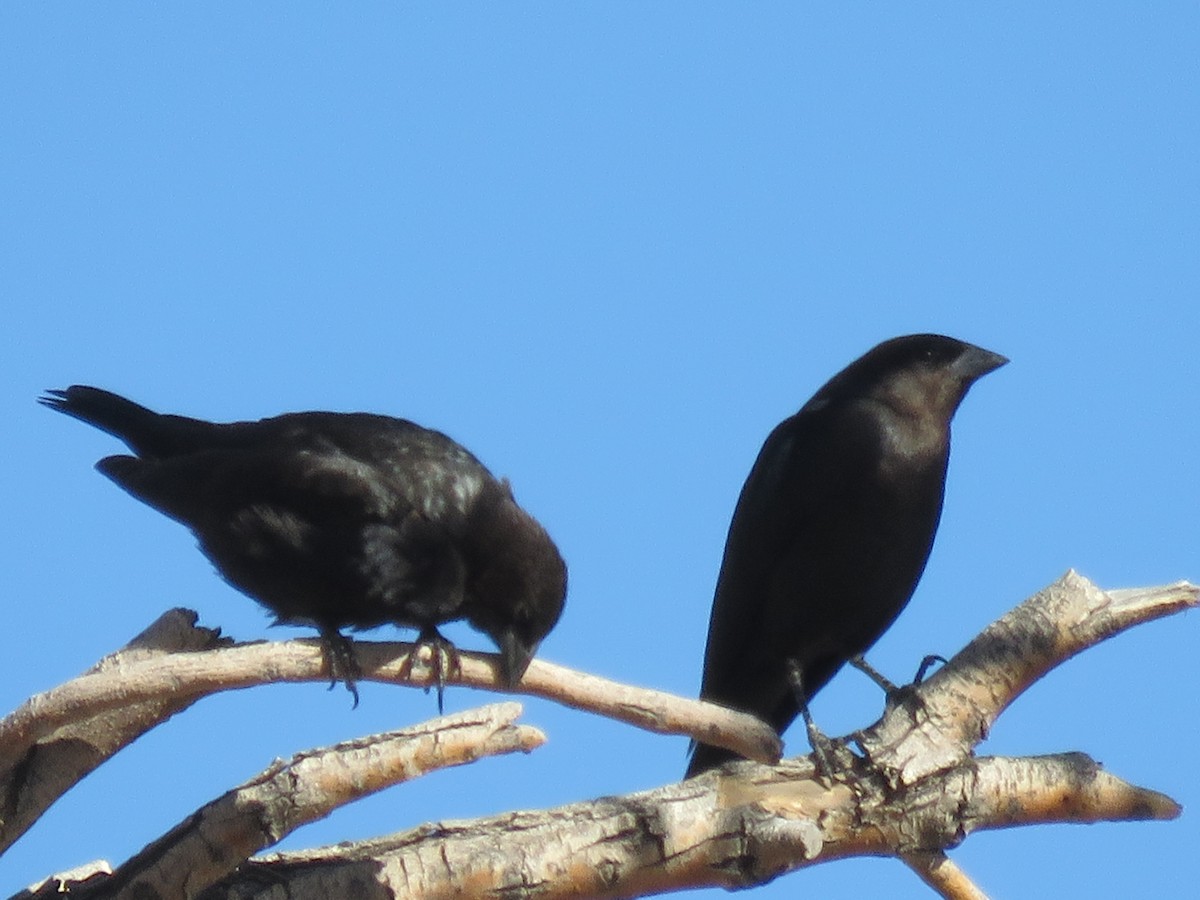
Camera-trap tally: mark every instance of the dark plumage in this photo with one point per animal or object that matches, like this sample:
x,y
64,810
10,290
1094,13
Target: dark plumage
x,y
343,520
834,526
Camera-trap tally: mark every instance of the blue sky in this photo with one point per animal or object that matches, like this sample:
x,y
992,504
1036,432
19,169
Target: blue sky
x,y
608,247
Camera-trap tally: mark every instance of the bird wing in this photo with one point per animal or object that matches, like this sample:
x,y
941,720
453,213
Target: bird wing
x,y
791,497
302,516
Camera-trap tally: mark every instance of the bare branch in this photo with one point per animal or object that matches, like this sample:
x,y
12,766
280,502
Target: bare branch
x,y
48,762
736,831
67,882
940,873
1064,787
213,841
654,710
954,710
186,677
916,793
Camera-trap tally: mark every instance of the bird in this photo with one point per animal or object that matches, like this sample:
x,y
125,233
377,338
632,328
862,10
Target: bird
x,y
833,527
343,520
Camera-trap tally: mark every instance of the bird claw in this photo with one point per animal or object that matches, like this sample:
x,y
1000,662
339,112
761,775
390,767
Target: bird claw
x,y
898,694
823,751
833,759
443,662
926,665
339,660
909,691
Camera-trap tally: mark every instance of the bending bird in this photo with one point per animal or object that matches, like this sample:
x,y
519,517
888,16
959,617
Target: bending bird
x,y
343,520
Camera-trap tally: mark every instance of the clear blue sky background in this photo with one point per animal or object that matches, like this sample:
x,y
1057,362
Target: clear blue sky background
x,y
607,247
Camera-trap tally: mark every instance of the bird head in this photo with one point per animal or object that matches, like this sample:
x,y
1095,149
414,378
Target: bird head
x,y
520,586
518,642
945,368
918,374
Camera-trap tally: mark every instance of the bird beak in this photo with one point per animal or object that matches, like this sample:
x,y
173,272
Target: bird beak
x,y
514,657
977,362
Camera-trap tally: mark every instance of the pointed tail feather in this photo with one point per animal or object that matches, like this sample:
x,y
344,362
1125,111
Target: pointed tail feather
x,y
145,432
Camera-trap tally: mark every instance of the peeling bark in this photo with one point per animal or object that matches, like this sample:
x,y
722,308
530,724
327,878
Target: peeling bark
x,y
913,791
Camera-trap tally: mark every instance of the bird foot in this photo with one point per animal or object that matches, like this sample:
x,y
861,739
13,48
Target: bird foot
x,y
898,694
926,665
828,755
339,660
888,686
908,693
823,752
443,662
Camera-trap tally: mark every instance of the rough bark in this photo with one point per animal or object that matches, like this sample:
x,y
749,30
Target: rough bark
x,y
909,786
46,755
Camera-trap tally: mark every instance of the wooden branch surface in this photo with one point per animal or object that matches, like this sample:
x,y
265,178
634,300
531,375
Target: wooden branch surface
x,y
939,872
736,831
48,762
954,709
918,791
192,675
213,841
57,737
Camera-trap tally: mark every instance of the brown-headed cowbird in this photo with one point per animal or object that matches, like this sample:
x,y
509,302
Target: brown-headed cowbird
x,y
343,520
833,528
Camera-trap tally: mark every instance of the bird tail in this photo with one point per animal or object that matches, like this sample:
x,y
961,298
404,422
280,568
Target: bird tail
x,y
705,757
140,428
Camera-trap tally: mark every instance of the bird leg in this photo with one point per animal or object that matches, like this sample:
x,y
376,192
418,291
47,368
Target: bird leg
x,y
897,694
443,661
339,660
887,686
822,746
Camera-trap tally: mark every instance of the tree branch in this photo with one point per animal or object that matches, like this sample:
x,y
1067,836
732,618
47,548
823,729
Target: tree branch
x,y
187,677
733,831
56,738
43,762
937,870
954,709
917,791
220,836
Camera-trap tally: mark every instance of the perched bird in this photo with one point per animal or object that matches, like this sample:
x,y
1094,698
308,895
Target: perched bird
x,y
833,528
343,520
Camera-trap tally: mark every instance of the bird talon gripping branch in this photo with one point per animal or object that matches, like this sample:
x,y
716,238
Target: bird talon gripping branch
x,y
927,663
444,662
338,651
821,745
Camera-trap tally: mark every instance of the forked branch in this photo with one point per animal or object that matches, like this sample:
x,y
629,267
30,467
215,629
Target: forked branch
x,y
915,790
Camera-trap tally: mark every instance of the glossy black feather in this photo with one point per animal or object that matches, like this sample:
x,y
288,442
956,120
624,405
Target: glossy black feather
x,y
342,520
833,526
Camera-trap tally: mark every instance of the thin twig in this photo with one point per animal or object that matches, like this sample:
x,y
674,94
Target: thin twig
x,y
939,872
